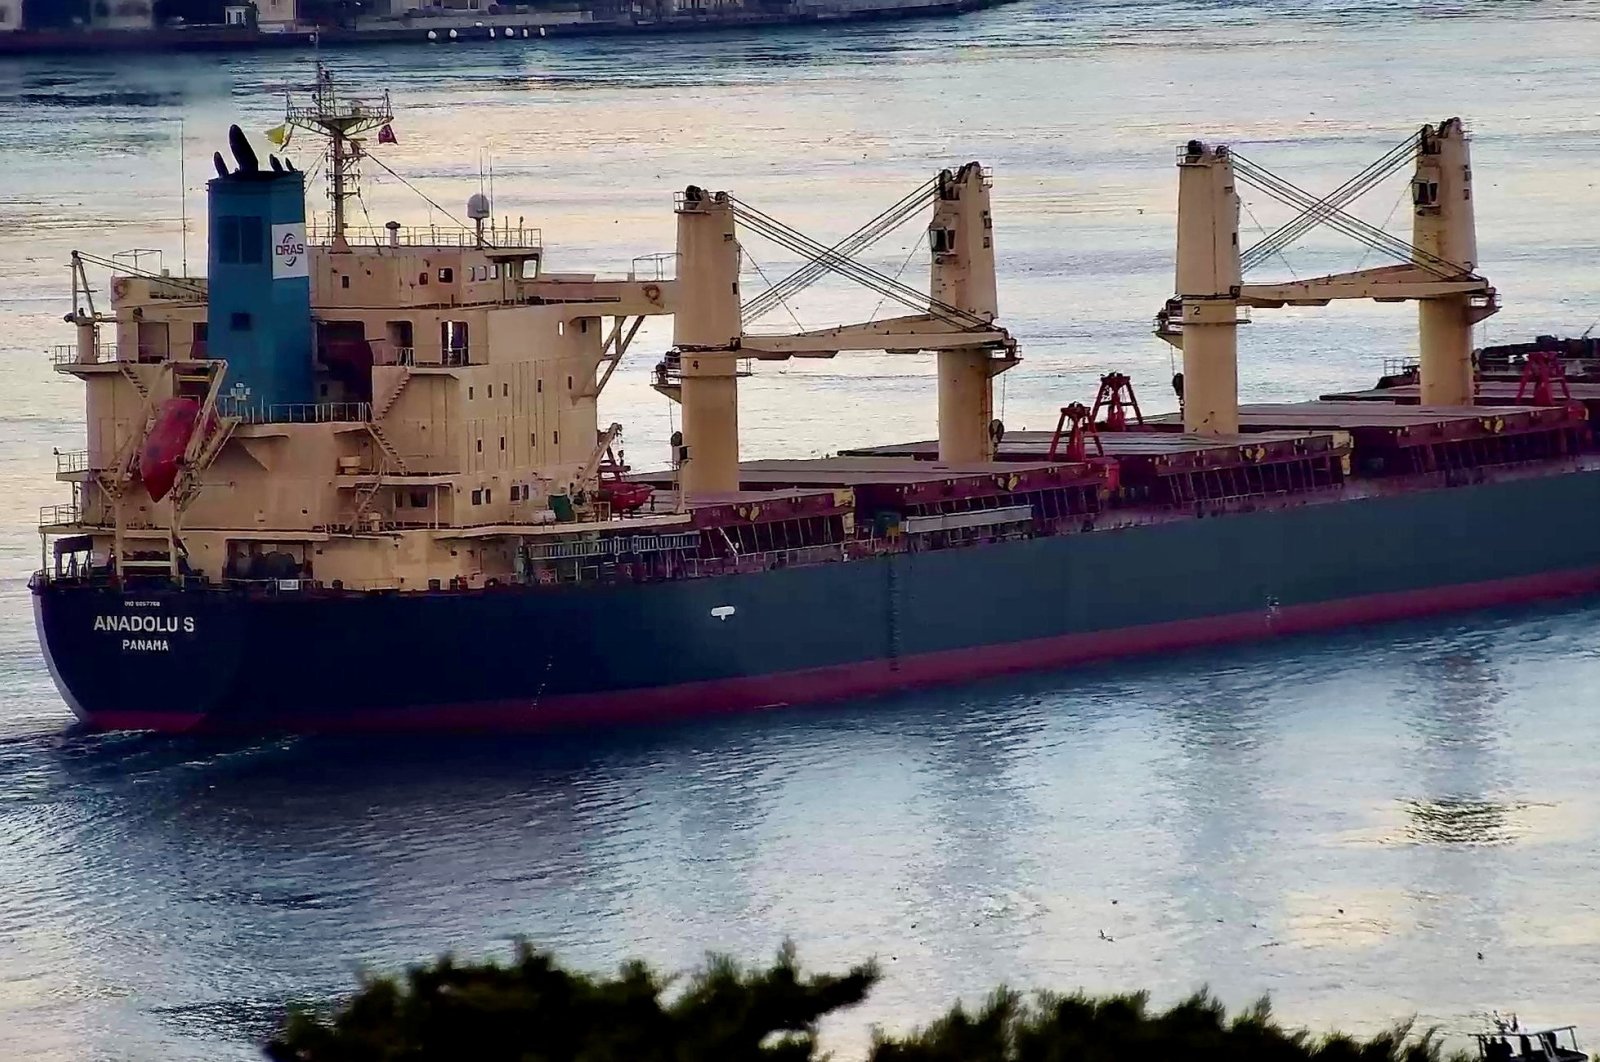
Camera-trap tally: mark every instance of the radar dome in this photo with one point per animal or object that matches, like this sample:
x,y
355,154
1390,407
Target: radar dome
x,y
478,207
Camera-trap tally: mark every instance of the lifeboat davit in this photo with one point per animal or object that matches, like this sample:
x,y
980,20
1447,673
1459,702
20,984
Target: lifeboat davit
x,y
164,445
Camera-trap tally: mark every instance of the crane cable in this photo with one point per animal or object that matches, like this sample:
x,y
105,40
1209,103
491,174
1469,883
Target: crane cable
x,y
762,273
1386,243
813,270
1346,192
898,274
421,194
786,241
1243,265
1392,210
791,238
868,234
821,259
118,268
908,297
1352,189
1287,193
1388,163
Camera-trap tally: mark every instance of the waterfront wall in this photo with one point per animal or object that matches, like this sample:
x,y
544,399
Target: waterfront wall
x,y
594,18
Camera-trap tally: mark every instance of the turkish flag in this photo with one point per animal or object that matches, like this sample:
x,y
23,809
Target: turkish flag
x,y
386,135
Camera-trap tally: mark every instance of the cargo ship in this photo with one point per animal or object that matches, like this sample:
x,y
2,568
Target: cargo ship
x,y
330,451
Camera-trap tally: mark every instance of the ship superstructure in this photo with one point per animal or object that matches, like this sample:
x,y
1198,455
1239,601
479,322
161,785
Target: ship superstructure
x,y
320,444
430,387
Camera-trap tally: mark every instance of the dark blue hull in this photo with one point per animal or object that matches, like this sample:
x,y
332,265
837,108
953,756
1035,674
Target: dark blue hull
x,y
533,656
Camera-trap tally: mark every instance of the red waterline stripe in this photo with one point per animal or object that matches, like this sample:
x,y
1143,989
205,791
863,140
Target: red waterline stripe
x,y
843,681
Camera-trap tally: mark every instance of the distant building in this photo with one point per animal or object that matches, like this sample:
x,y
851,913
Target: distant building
x,y
270,16
10,16
121,14
275,15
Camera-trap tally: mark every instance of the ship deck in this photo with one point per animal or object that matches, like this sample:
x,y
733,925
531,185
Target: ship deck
x,y
760,479
875,482
1491,392
1020,446
1389,424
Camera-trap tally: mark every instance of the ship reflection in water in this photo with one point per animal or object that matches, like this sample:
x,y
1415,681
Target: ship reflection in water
x,y
1341,822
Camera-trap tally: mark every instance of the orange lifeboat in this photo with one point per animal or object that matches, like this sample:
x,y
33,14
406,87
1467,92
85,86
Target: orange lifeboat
x,y
625,497
164,445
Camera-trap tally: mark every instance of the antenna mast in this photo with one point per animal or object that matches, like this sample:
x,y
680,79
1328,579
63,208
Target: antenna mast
x,y
183,197
341,119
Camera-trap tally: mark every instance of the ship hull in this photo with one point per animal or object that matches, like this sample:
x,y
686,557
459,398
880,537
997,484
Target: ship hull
x,y
536,657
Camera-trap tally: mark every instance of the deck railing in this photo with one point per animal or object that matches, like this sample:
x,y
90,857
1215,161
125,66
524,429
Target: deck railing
x,y
56,515
660,266
72,461
517,237
299,412
66,354
384,354
767,560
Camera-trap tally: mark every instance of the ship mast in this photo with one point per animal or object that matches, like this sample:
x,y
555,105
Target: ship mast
x,y
341,119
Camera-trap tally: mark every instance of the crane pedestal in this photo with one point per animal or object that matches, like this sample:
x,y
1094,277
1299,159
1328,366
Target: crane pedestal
x,y
706,330
710,398
966,405
1444,332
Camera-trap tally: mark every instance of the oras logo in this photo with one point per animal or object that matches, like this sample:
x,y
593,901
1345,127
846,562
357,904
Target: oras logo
x,y
289,249
290,258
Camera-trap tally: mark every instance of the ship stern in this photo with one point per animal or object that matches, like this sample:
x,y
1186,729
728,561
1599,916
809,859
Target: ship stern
x,y
130,659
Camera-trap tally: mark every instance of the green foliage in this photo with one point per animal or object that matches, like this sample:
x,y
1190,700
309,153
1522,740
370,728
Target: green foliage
x,y
534,1011
1080,1028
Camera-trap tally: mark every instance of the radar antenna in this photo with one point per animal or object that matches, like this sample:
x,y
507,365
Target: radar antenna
x,y
341,119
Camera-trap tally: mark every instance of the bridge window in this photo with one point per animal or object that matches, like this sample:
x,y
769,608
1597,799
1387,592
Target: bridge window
x,y
227,237
252,241
446,275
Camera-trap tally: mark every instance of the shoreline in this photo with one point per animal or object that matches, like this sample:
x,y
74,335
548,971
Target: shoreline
x,y
527,30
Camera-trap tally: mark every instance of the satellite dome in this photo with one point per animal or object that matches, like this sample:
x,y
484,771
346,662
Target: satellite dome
x,y
478,207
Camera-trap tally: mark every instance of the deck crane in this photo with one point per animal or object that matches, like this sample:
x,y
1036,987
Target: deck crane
x,y
956,319
584,477
1436,269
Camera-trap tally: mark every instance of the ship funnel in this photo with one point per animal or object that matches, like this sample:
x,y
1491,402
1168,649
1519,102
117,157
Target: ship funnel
x,y
258,312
